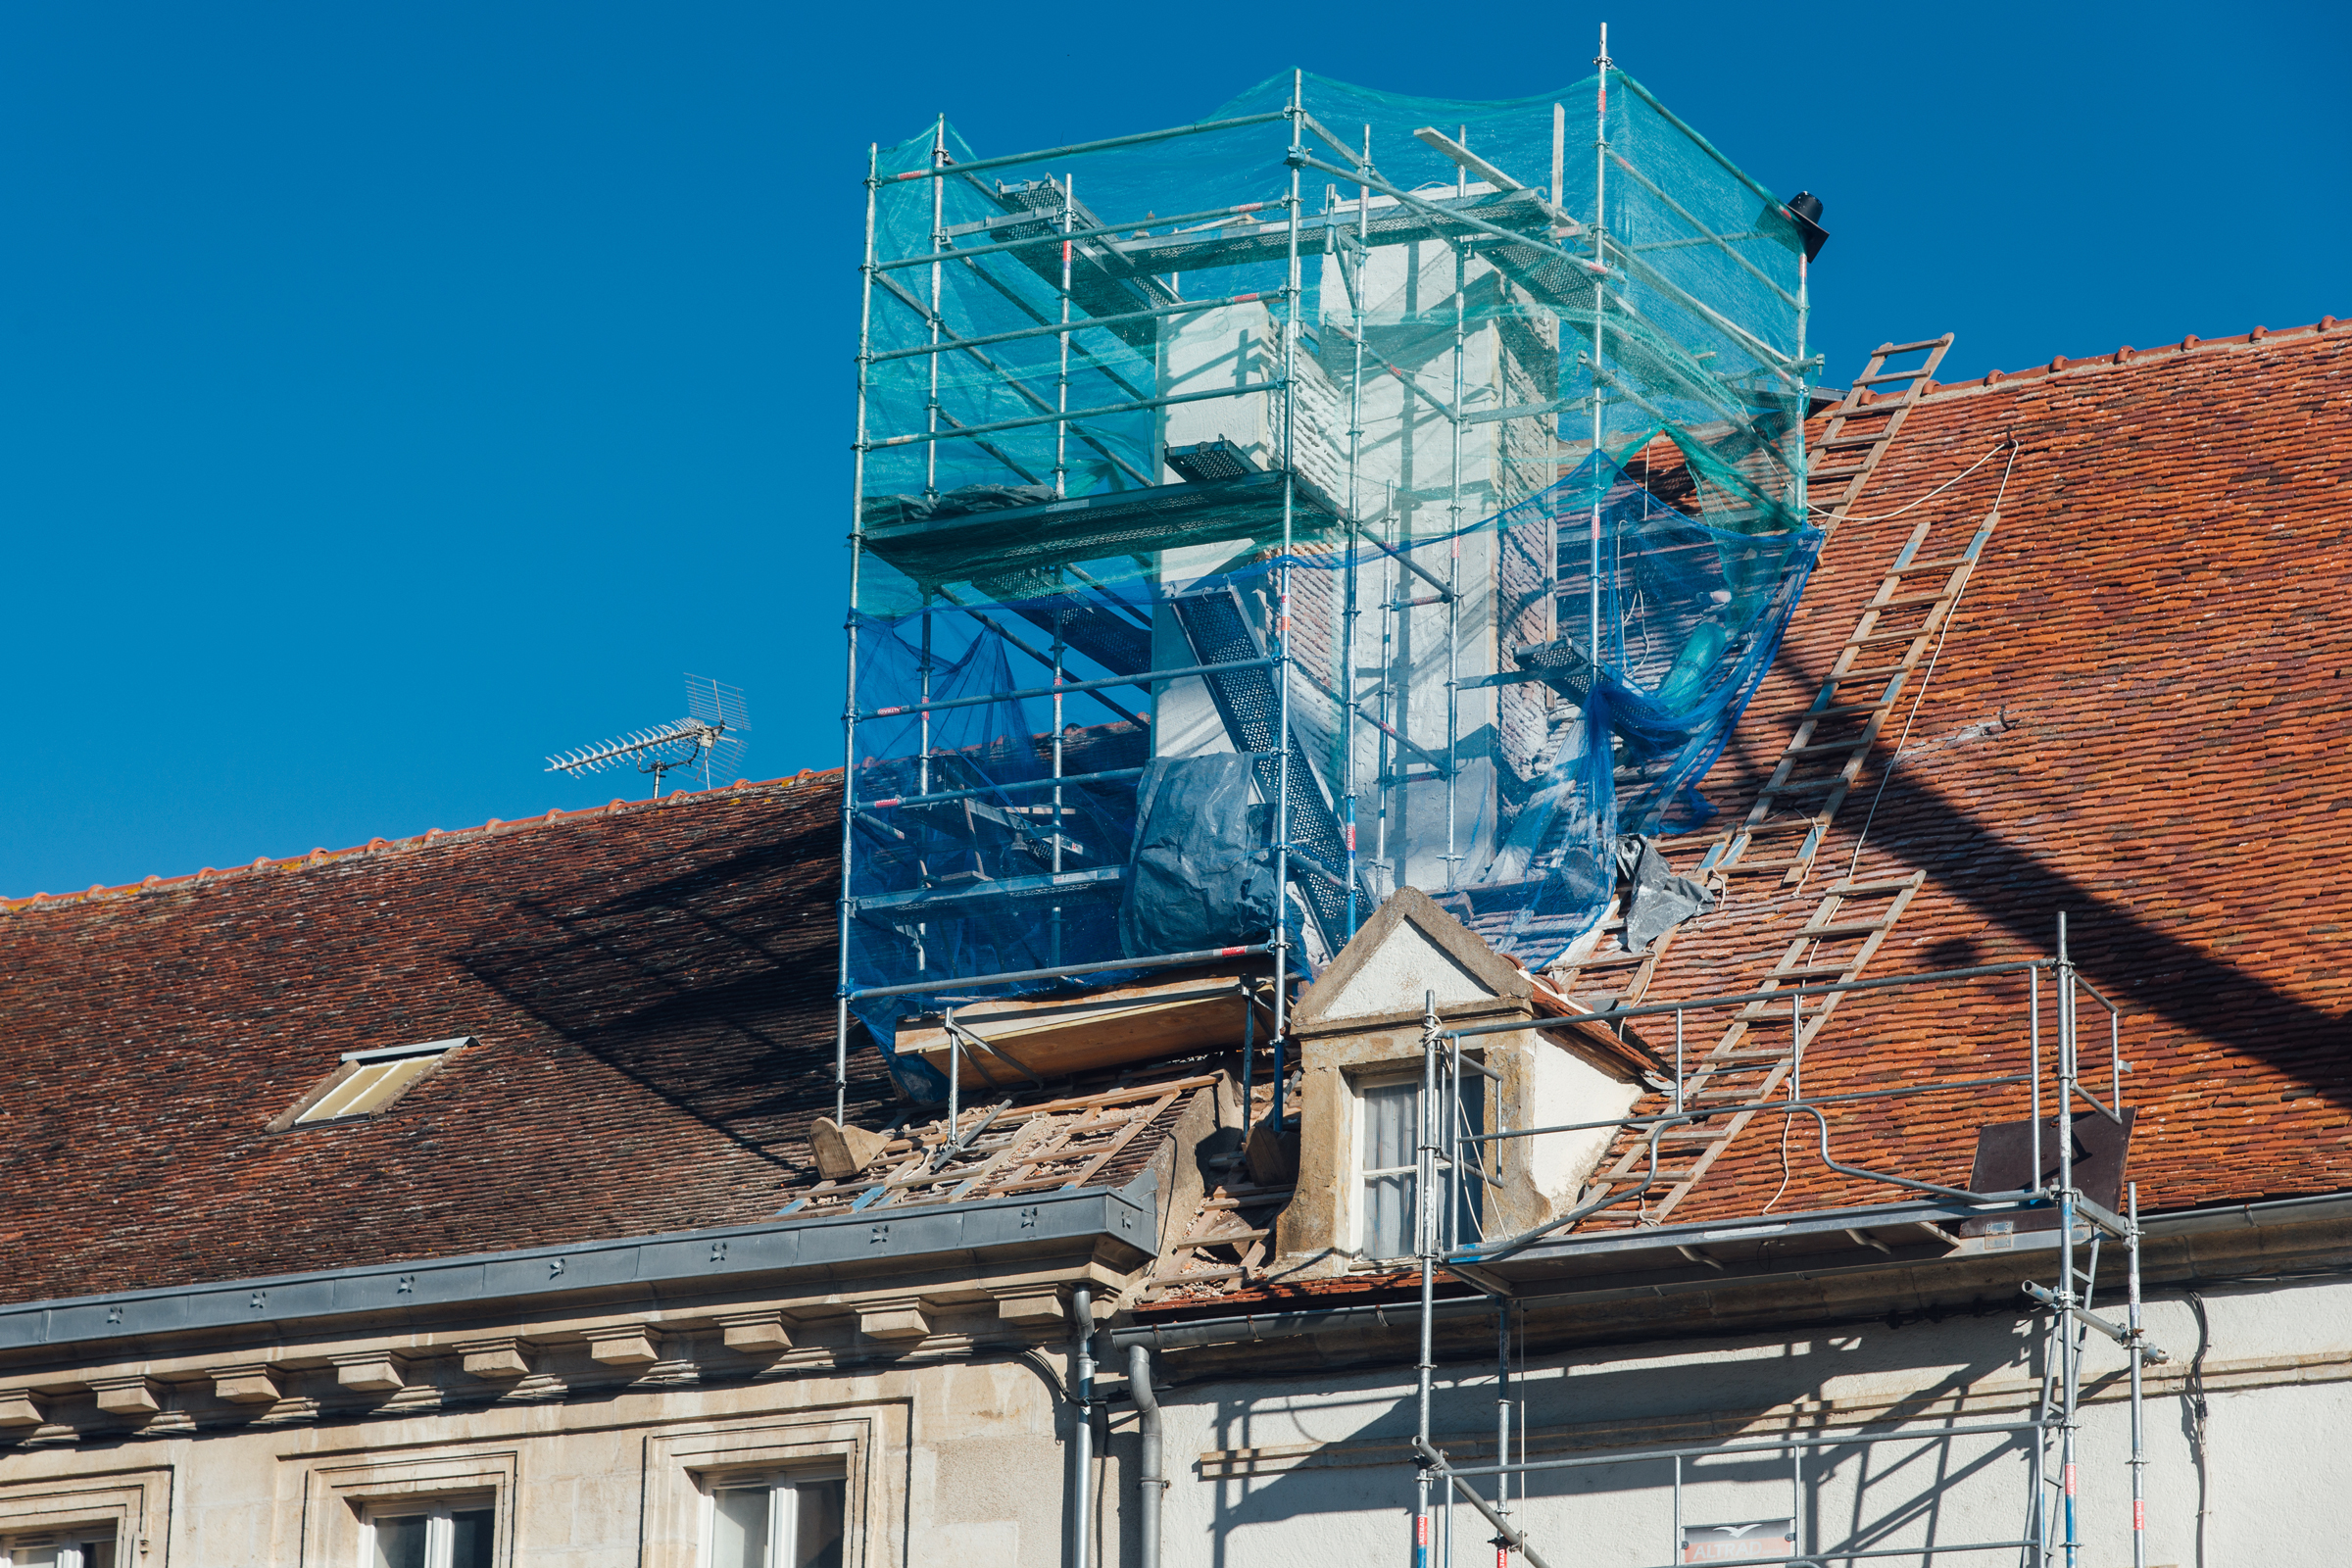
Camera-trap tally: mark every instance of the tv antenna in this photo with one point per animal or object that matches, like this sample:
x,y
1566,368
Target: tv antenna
x,y
710,738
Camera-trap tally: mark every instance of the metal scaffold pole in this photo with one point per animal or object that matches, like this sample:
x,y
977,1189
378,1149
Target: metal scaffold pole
x,y
939,244
1426,1247
1279,938
1601,260
1454,551
2135,1351
1356,462
849,711
2068,1334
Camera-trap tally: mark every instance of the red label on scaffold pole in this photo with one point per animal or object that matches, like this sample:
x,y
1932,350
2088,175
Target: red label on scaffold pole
x,y
2140,1514
2070,1480
1420,1530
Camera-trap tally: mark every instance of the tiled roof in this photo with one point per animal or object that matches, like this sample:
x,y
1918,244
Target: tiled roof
x,y
651,986
2141,715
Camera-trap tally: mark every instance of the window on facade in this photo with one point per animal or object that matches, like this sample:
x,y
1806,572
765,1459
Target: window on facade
x,y
776,1522
425,1535
373,1079
1390,1157
72,1548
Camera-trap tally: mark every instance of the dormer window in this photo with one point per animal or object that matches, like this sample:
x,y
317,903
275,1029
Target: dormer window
x,y
368,1081
1388,1127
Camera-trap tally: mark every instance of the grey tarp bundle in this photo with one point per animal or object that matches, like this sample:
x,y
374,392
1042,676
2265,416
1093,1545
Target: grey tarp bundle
x,y
1657,901
1200,875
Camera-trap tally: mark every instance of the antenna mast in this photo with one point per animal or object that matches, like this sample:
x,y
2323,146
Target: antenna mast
x,y
708,737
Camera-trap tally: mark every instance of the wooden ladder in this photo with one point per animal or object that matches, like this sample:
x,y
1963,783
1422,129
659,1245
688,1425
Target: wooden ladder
x,y
1835,732
1855,425
1753,1057
1629,973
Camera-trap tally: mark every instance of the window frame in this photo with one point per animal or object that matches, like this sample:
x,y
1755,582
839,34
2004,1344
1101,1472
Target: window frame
x,y
783,1489
135,1505
339,1494
439,1510
1470,1194
60,1539
826,1441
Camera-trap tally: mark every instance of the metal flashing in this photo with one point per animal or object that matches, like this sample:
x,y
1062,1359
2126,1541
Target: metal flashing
x,y
668,1266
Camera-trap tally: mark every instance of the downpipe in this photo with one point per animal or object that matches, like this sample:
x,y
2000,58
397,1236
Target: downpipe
x,y
1152,1487
1082,1444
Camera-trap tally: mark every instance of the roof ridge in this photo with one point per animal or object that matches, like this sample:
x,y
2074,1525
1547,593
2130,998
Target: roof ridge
x,y
2127,355
405,844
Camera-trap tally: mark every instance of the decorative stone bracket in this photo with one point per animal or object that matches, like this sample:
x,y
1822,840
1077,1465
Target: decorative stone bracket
x,y
900,1317
251,1384
757,1332
373,1373
132,1399
629,1345
496,1360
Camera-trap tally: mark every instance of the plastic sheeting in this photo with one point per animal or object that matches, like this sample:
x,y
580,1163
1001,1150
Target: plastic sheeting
x,y
1511,482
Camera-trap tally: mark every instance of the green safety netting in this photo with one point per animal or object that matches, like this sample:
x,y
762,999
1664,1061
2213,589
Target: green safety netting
x,y
1524,457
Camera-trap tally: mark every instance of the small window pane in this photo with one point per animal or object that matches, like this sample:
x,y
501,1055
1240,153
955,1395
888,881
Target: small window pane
x,y
343,1094
816,1535
1391,1125
1389,1216
400,1540
371,1088
739,1528
469,1531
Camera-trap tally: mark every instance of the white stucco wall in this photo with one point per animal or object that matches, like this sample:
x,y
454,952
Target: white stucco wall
x,y
2279,1369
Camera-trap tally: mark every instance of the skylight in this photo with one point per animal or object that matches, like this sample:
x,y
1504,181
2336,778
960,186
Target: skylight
x,y
370,1080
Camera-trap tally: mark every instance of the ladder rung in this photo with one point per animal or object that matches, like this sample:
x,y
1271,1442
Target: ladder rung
x,y
1940,563
1844,929
1837,473
1892,349
1810,971
1874,674
1826,746
1752,867
1800,786
1919,374
1885,637
1613,961
1781,827
1833,712
1848,889
1743,1055
1841,443
1900,600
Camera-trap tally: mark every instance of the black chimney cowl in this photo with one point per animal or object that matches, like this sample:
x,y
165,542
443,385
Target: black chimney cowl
x,y
1805,208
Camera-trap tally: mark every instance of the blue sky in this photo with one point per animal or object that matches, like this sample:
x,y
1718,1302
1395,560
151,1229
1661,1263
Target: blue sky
x,y
392,395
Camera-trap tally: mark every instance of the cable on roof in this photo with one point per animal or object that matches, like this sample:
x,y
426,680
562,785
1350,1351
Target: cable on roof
x,y
2009,441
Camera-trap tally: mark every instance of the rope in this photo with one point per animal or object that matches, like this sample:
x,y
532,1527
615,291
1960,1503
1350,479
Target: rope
x,y
1884,516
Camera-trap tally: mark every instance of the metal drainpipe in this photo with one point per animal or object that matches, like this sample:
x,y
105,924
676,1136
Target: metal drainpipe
x,y
1152,1488
1082,1393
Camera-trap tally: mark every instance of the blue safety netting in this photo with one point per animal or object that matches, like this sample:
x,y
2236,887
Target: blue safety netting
x,y
1525,451
970,860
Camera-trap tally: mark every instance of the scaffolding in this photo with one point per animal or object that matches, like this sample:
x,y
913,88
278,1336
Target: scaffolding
x,y
1456,1159
1129,483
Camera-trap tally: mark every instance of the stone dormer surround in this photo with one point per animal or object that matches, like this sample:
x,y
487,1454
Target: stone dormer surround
x,y
1362,1021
